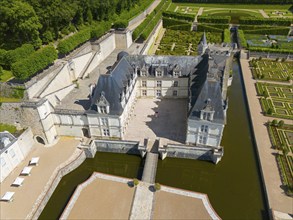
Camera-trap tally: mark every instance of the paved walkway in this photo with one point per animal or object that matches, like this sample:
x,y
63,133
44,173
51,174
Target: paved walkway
x,y
264,14
277,199
143,202
199,13
26,196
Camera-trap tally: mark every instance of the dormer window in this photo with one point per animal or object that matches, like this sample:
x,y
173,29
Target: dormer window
x,y
143,73
208,116
103,109
159,73
176,74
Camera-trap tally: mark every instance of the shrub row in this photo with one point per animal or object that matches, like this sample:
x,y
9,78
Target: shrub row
x,y
179,16
226,36
7,58
208,28
214,19
147,26
241,38
182,27
120,24
268,49
265,21
69,44
37,61
276,31
167,22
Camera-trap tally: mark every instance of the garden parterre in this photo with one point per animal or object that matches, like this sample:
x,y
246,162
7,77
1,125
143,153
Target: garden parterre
x,y
282,140
184,42
277,100
272,70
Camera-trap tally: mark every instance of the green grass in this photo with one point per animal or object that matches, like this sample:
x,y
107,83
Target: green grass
x,y
6,127
6,76
6,99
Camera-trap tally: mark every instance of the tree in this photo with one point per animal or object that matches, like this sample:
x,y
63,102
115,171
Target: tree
x,y
275,122
19,23
1,71
135,182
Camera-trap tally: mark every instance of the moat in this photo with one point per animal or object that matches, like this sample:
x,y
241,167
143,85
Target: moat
x,y
233,185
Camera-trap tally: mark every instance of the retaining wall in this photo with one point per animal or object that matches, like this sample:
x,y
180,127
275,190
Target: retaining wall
x,y
188,152
61,171
122,147
152,38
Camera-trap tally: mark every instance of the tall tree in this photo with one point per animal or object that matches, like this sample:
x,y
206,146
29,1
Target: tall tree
x,y
19,23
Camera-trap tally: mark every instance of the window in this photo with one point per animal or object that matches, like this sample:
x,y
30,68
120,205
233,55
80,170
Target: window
x,y
143,73
106,132
204,128
12,153
159,83
144,84
175,93
175,84
200,139
176,74
206,116
144,93
104,121
3,163
159,73
204,140
159,93
103,109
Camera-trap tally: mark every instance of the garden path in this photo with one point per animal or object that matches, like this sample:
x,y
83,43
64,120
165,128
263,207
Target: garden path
x,y
277,200
199,13
263,13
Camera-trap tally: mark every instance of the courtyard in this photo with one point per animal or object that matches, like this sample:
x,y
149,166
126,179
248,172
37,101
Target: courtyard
x,y
169,124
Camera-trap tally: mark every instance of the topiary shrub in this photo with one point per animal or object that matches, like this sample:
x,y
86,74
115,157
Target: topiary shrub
x,y
135,182
157,186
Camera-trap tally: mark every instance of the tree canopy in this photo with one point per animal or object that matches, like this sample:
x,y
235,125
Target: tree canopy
x,y
42,21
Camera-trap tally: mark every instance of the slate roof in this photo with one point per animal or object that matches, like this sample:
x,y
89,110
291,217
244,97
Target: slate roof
x,y
211,90
112,86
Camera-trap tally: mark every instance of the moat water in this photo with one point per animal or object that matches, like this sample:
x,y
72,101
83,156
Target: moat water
x,y
233,185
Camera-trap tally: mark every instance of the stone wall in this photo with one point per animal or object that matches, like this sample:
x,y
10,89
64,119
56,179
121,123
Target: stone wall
x,y
11,113
269,55
152,38
50,187
187,152
123,147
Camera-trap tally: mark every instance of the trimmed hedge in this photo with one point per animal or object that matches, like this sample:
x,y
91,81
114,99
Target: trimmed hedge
x,y
168,22
120,24
276,31
265,21
37,61
147,26
241,38
268,49
178,16
226,36
69,44
214,19
18,54
182,27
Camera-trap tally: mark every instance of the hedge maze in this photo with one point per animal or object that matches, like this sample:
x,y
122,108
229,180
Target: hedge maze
x,y
272,70
276,100
282,140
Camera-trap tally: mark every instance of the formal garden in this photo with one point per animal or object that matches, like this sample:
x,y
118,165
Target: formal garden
x,y
272,70
281,136
184,42
276,100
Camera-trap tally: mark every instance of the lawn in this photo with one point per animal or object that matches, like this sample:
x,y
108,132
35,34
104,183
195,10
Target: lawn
x,y
186,9
272,70
184,42
6,99
6,76
277,100
6,127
